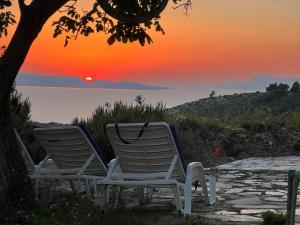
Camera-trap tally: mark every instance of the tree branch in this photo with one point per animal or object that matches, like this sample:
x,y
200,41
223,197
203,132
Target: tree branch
x,y
187,5
132,19
47,7
22,6
68,7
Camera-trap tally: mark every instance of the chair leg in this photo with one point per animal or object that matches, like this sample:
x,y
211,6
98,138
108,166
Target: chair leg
x,y
187,198
149,194
95,189
106,195
212,190
140,195
52,188
101,195
88,189
176,193
72,186
111,197
144,195
206,195
37,188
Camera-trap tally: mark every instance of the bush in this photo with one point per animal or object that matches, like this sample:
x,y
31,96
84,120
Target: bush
x,y
259,119
277,90
295,89
274,218
21,119
121,113
293,120
20,114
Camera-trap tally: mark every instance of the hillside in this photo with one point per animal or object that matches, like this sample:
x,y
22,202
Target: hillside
x,y
279,101
258,83
245,125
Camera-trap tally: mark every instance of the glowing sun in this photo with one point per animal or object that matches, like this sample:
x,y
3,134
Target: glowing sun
x,y
88,78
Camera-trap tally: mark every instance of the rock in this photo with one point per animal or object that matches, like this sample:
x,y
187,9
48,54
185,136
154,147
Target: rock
x,y
235,218
245,201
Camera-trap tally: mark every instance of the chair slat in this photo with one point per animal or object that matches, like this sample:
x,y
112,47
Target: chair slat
x,y
69,148
153,152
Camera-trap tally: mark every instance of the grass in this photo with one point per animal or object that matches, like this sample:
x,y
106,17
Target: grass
x,y
74,209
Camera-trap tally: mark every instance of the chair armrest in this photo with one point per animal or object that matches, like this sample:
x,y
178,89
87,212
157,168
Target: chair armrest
x,y
111,162
42,162
112,166
194,171
40,165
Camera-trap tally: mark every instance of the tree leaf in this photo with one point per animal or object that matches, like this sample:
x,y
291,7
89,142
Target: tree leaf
x,y
111,39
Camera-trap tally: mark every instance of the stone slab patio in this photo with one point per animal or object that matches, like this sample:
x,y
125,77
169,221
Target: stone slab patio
x,y
245,189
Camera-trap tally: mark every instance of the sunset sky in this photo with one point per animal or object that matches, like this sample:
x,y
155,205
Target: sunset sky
x,y
220,40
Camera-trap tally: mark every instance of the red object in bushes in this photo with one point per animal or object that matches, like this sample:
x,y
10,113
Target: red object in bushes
x,y
216,150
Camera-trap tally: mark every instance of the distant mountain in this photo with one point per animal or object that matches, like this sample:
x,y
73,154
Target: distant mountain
x,y
76,82
258,83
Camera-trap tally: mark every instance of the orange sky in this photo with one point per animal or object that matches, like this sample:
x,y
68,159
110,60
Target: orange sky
x,y
220,40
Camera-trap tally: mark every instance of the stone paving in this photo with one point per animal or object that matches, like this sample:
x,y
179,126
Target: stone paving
x,y
248,187
245,189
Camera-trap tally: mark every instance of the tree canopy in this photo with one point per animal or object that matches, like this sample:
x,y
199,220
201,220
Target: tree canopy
x,y
124,21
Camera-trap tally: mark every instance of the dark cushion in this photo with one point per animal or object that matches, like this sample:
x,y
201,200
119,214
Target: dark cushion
x,y
91,139
173,130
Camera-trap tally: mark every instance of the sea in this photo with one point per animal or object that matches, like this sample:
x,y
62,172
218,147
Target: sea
x,y
62,105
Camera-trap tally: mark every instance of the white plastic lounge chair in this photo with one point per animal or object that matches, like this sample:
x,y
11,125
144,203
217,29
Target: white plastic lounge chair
x,y
149,155
45,167
44,170
73,151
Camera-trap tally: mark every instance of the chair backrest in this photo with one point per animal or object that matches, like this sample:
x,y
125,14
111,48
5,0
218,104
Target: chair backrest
x,y
71,147
149,151
26,156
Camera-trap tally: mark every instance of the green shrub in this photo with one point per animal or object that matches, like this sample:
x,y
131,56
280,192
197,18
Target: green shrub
x,y
20,110
295,89
208,121
274,218
212,121
293,120
121,113
259,117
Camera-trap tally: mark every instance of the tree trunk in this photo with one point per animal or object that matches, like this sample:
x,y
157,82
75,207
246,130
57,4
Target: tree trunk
x,y
16,184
